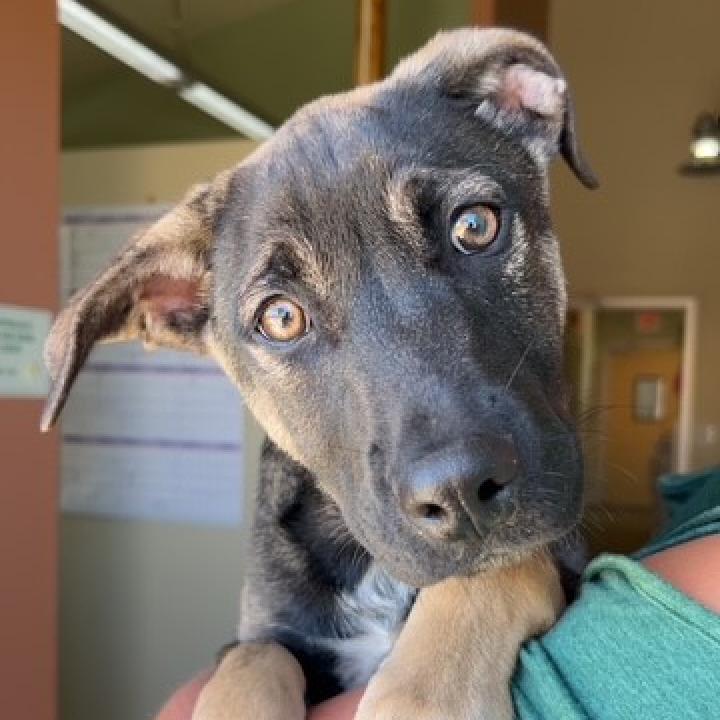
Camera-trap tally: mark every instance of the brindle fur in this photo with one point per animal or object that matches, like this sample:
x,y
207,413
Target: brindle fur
x,y
415,351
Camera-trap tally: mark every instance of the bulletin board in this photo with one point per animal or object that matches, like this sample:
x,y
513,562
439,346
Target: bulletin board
x,y
145,435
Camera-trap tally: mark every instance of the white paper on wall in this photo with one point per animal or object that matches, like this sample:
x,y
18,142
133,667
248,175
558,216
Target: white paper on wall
x,y
148,435
22,333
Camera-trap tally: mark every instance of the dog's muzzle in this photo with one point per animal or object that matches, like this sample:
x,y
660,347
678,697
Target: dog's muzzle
x,y
459,492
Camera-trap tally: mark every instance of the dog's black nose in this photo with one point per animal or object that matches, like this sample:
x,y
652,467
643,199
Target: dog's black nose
x,y
459,491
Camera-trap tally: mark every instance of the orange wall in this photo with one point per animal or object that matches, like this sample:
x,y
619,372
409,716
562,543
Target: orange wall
x,y
28,276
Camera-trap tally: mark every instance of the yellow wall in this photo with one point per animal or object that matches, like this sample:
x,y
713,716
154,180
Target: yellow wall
x,y
641,71
144,174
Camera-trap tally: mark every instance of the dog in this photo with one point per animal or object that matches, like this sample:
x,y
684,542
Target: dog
x,y
382,283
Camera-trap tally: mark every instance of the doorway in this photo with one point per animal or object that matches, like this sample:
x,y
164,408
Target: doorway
x,y
630,361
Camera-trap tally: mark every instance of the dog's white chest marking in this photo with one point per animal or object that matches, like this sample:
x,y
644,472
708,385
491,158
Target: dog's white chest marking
x,y
371,617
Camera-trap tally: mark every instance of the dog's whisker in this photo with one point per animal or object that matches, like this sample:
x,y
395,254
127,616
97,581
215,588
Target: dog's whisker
x,y
520,362
597,520
593,411
584,430
591,527
624,471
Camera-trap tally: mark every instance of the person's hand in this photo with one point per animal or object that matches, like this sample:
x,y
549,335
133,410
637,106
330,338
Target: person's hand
x,y
182,703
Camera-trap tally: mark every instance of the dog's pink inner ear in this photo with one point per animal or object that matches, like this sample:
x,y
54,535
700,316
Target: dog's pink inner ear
x,y
168,302
522,87
166,295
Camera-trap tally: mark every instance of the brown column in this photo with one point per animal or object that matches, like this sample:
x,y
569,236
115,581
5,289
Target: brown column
x,y
484,12
528,15
370,41
29,82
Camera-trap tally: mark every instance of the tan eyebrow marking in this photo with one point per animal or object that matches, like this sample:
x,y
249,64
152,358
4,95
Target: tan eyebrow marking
x,y
401,201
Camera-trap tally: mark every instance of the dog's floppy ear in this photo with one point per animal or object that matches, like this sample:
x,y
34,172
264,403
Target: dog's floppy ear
x,y
155,290
510,80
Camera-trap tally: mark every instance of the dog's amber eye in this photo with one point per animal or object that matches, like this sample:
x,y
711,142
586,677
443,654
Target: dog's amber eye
x,y
282,320
475,229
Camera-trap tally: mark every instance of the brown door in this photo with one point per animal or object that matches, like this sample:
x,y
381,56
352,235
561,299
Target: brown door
x,y
636,446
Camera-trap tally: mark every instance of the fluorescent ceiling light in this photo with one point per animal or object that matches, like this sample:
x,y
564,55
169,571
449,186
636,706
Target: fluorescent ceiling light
x,y
115,42
125,48
213,103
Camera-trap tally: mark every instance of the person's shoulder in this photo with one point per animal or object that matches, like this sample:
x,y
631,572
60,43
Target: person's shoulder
x,y
693,567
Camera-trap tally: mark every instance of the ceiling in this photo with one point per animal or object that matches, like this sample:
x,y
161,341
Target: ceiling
x,y
269,55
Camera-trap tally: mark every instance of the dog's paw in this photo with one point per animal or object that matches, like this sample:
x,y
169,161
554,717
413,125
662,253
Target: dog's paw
x,y
400,706
417,698
404,706
254,682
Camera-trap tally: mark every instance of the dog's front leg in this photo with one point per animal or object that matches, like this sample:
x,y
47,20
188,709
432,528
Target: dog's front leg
x,y
254,682
456,654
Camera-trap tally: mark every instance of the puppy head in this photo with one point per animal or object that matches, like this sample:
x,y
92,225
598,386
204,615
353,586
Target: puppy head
x,y
382,282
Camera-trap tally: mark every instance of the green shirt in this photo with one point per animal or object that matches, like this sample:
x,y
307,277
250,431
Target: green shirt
x,y
632,647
